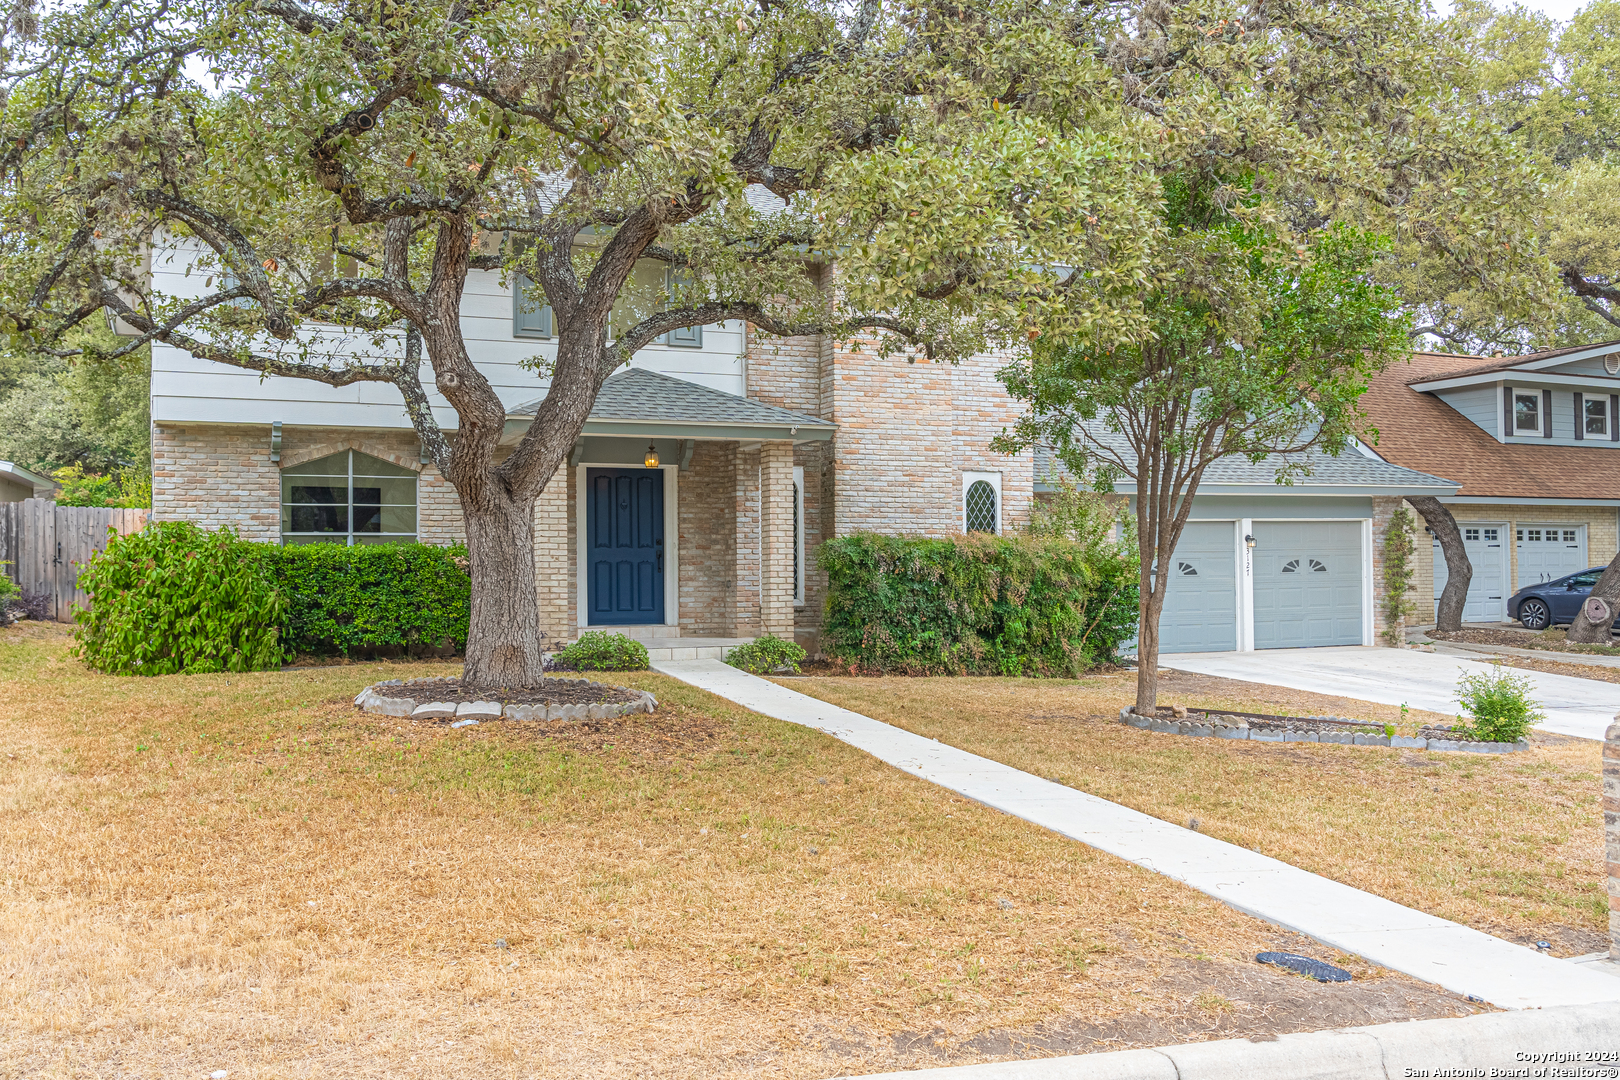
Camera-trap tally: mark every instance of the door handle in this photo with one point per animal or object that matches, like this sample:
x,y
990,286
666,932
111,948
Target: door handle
x,y
659,545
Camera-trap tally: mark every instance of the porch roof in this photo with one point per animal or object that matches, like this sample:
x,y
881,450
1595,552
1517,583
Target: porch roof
x,y
642,402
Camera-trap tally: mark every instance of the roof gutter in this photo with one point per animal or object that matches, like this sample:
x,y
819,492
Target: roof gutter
x,y
681,429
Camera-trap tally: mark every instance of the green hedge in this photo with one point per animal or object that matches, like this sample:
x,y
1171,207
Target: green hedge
x,y
175,598
975,605
371,598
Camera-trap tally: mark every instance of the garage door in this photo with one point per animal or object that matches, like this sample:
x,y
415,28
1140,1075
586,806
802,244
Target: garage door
x,y
1200,599
1486,594
1307,583
1549,551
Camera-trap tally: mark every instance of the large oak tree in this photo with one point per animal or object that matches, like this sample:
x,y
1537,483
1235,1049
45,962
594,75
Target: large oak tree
x,y
344,167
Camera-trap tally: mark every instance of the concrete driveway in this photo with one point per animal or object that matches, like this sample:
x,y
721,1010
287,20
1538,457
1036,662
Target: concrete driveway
x,y
1579,707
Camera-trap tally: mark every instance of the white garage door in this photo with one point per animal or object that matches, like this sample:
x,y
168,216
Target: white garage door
x,y
1307,583
1549,551
1200,599
1483,543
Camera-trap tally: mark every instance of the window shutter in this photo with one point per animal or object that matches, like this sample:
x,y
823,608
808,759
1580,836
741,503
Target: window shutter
x,y
1614,417
531,316
1546,414
687,337
1507,411
1580,417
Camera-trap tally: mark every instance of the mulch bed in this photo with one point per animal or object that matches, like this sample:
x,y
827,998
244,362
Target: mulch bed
x,y
1317,724
546,692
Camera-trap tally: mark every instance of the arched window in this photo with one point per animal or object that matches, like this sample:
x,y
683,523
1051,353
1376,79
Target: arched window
x,y
980,509
348,498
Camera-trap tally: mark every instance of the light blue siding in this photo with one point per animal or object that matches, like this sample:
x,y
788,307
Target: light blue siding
x,y
1482,405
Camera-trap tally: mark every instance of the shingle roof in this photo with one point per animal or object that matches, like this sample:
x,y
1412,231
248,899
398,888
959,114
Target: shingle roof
x,y
1420,429
1350,470
1452,366
652,397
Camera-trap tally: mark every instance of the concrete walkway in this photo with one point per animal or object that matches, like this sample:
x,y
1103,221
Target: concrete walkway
x,y
1581,707
1386,933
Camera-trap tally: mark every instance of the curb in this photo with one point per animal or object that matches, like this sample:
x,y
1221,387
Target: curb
x,y
1536,1041
1285,734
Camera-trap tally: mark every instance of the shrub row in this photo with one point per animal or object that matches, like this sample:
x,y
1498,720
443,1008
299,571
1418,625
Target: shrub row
x,y
175,598
975,605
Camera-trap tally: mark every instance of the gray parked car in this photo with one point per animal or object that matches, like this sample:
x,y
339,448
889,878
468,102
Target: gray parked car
x,y
1553,603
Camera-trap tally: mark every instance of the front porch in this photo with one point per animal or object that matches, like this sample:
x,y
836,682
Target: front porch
x,y
680,519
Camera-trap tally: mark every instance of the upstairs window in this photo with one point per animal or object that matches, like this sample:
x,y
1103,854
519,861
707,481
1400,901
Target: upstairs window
x,y
531,316
1527,418
1595,417
348,498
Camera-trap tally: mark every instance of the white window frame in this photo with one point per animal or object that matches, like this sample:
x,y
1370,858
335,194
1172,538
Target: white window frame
x,y
1541,408
1602,401
968,480
798,536
347,537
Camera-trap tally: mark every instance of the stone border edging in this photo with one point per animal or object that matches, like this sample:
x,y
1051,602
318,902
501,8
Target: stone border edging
x,y
1286,734
1459,1046
371,700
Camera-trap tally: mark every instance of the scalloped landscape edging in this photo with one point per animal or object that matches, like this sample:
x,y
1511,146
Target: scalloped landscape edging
x,y
1287,734
374,699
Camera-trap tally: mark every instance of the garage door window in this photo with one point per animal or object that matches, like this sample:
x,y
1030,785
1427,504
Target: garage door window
x,y
1547,536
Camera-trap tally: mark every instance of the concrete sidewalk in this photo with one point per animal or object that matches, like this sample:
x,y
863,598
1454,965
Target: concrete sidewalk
x,y
1492,1044
1389,934
1580,707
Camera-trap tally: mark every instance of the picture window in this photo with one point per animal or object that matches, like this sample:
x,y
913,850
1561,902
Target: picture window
x,y
348,498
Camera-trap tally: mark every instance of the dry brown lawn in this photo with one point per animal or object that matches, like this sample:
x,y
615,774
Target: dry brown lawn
x,y
1510,844
241,872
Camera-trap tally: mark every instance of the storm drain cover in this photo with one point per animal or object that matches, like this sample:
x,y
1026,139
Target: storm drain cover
x,y
1304,965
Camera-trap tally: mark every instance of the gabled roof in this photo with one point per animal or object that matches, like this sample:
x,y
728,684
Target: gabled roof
x,y
1349,473
643,402
1419,429
1450,366
27,476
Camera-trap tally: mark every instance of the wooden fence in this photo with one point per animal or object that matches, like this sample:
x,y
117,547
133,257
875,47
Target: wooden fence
x,y
44,545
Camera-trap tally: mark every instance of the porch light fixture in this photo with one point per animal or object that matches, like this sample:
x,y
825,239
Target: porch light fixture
x,y
1249,540
651,459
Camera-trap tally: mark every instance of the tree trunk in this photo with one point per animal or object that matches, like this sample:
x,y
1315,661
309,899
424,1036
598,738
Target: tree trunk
x,y
1459,571
1147,649
504,647
1607,590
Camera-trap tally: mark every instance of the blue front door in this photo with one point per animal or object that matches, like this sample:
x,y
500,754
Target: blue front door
x,y
624,518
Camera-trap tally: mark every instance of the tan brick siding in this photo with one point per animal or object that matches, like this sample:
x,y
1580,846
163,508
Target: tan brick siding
x,y
776,539
708,540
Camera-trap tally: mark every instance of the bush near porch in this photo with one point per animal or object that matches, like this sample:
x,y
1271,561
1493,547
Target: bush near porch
x,y
975,605
175,598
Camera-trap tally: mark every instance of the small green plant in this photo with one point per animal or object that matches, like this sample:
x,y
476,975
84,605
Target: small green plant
x,y
601,650
1498,704
8,592
766,654
173,598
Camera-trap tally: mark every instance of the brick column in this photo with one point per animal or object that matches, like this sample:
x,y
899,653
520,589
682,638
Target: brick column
x,y
1611,830
748,542
553,562
776,571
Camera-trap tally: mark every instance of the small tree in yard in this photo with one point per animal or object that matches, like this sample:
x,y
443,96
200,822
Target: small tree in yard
x,y
1270,361
355,162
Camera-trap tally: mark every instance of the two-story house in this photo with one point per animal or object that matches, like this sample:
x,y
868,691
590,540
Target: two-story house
x,y
690,509
1534,444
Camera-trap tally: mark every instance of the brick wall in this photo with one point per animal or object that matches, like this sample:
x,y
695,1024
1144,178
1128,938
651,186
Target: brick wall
x,y
1384,508
776,539
708,541
218,475
553,557
1601,536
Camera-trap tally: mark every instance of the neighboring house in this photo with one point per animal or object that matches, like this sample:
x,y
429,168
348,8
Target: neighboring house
x,y
18,483
764,448
1534,445
1266,565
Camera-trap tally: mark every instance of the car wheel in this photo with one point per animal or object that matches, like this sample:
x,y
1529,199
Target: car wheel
x,y
1534,615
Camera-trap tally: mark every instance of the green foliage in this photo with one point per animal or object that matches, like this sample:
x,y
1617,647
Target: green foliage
x,y
975,605
128,488
601,650
1498,704
766,654
89,414
174,598
371,597
1399,601
1090,519
8,591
